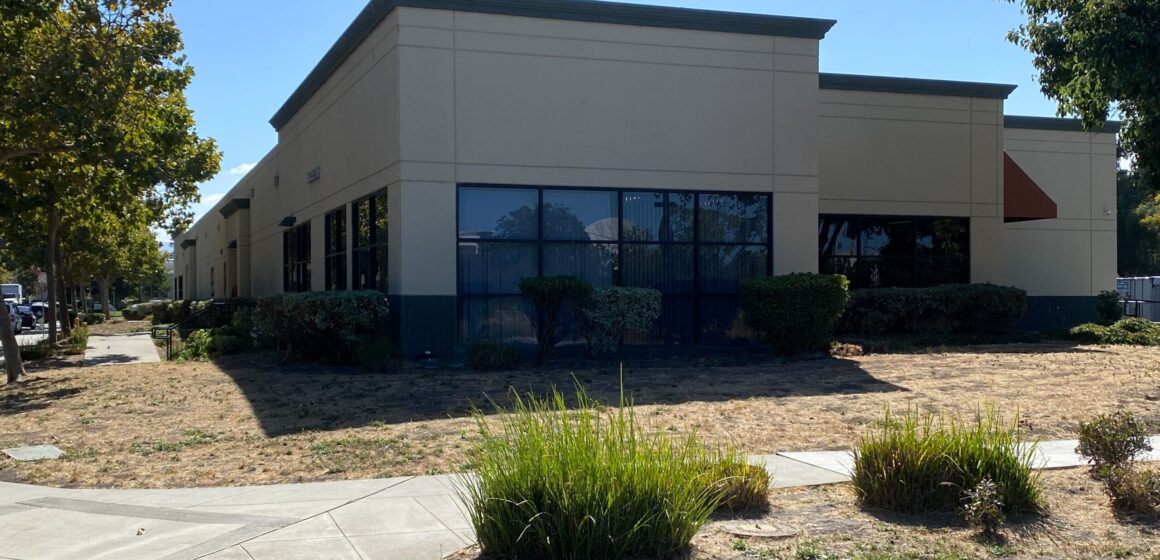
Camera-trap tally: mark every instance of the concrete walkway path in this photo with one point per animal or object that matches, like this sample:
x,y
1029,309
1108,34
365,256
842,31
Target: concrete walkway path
x,y
110,349
401,518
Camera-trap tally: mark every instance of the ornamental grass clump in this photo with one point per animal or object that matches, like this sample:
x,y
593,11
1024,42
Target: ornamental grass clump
x,y
915,463
587,482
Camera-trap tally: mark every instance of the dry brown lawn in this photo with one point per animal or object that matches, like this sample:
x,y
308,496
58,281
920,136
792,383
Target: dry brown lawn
x,y
245,420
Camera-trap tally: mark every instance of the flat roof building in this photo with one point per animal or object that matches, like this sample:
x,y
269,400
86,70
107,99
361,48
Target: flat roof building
x,y
444,149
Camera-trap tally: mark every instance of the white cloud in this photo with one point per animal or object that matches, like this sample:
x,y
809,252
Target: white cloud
x,y
212,199
242,169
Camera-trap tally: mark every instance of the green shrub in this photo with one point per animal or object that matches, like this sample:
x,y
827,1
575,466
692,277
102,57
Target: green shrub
x,y
1108,307
550,297
1112,440
585,483
1133,491
139,311
492,355
952,308
739,485
323,325
377,355
795,313
913,464
34,352
168,313
611,313
93,318
1133,330
983,508
78,340
199,345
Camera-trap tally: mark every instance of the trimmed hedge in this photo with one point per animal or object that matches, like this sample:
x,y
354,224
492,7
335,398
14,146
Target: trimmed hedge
x,y
611,313
951,308
139,311
550,296
93,318
797,312
1108,307
323,325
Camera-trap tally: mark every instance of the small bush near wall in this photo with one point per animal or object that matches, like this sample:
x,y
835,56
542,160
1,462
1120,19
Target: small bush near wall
x,y
916,463
550,297
323,325
491,355
953,308
1108,307
795,313
592,482
168,313
1133,330
612,313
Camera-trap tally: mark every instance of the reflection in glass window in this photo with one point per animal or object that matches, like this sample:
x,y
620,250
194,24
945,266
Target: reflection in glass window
x,y
498,213
668,268
295,259
580,215
722,268
887,237
693,247
733,218
680,216
335,242
594,263
495,268
369,253
644,216
894,251
838,236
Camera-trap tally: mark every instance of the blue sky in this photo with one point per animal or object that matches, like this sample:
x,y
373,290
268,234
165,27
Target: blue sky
x,y
250,55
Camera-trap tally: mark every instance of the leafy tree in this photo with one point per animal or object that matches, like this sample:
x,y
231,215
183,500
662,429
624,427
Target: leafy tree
x,y
1096,57
1138,227
93,120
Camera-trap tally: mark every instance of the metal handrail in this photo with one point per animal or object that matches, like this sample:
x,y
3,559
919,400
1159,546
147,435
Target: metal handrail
x,y
169,330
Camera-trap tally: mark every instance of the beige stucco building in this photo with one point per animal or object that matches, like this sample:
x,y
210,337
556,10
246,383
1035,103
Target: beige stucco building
x,y
443,149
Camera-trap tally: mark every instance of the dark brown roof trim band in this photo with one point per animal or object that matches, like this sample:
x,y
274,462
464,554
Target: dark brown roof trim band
x,y
1052,123
884,84
569,10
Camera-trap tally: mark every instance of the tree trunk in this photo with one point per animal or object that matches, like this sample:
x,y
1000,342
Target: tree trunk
x,y
104,283
51,271
66,324
12,362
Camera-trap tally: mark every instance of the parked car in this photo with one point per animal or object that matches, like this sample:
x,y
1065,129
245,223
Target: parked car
x,y
27,318
39,309
96,307
14,317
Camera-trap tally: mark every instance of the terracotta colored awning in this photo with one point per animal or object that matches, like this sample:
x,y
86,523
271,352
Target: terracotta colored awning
x,y
1023,200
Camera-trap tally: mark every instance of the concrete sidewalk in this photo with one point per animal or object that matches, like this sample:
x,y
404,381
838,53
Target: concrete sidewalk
x,y
131,348
395,518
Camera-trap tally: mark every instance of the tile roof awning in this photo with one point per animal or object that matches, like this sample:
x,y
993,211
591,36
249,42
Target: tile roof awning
x,y
1023,200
